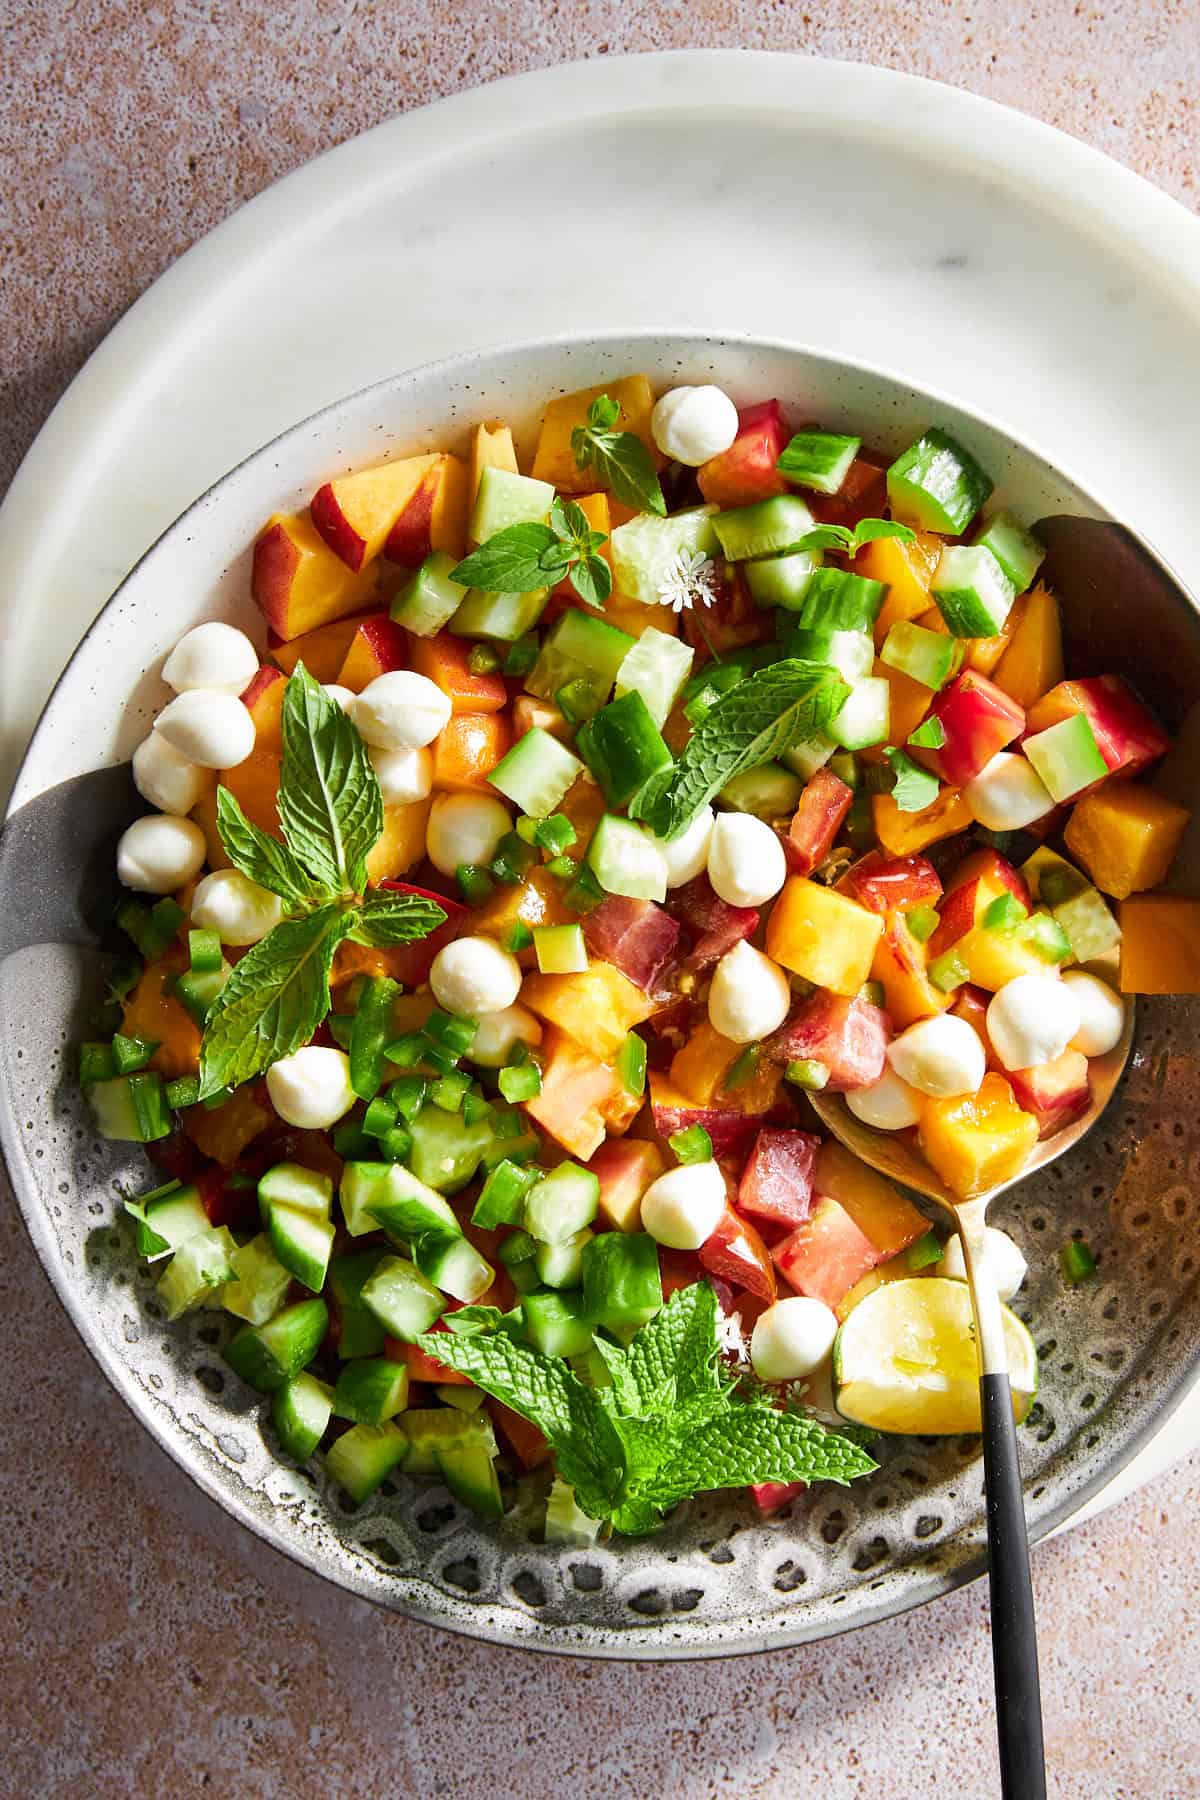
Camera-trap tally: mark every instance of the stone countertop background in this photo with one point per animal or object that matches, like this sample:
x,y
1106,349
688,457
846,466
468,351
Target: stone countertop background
x,y
149,1646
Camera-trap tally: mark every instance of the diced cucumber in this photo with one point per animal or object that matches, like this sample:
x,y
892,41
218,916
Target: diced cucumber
x,y
363,1457
403,1301
371,1390
200,1266
259,1285
504,499
268,1355
502,1198
130,1109
851,653
1089,925
524,1277
429,599
621,1281
936,485
656,668
1018,552
300,1412
196,990
446,1151
783,580
560,949
864,718
460,1447
579,648
405,1206
930,657
622,747
1066,756
808,757
432,1430
455,1266
470,1474
561,1265
644,550
167,1223
566,1523
359,1331
360,1184
558,1324
562,1203
536,773
839,601
764,529
502,617
302,1242
819,459
769,792
626,860
973,593
291,1184
518,1246
463,1399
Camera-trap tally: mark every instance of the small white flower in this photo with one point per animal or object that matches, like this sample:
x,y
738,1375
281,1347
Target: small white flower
x,y
731,1339
690,580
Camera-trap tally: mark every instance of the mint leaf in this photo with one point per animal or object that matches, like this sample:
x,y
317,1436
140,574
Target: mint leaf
x,y
841,537
513,561
591,578
868,531
679,1346
915,787
384,919
264,859
273,1002
746,1444
569,523
929,736
330,806
619,460
785,704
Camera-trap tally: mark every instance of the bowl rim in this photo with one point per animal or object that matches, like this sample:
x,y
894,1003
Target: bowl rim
x,y
407,1594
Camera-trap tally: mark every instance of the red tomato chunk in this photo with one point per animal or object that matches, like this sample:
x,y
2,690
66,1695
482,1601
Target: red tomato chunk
x,y
777,1181
817,819
849,1036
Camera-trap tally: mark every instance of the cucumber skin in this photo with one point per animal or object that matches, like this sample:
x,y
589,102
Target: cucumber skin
x,y
266,1356
363,1457
300,1412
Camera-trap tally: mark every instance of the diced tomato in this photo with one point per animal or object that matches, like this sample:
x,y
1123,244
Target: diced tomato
x,y
850,1036
575,1089
770,1496
737,1254
777,1181
422,1367
732,620
524,1440
747,470
826,1255
1128,737
886,884
816,821
713,925
176,1155
636,936
862,495
1054,1092
413,965
978,719
678,1269
228,1201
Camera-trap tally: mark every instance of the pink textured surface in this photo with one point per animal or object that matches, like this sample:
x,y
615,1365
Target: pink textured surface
x,y
149,1646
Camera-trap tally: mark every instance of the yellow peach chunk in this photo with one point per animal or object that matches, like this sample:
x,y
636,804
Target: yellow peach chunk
x,y
1126,836
824,936
978,1141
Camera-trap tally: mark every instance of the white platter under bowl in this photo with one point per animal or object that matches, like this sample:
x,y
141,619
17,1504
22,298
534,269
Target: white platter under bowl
x,y
1119,1355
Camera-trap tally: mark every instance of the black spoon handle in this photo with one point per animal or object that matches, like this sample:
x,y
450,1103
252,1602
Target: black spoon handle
x,y
1014,1629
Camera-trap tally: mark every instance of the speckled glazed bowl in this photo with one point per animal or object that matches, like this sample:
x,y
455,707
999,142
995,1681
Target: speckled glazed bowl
x,y
1118,1353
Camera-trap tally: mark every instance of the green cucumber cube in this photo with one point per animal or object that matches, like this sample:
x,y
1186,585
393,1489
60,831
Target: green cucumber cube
x,y
656,668
463,1399
819,460
561,1265
470,1474
503,498
621,1281
291,1184
196,990
783,580
936,485
446,1151
646,550
429,599
371,1390
537,773
973,593
259,1284
1089,925
562,1203
407,1207
200,1266
626,860
131,1108
267,1355
166,1224
300,1412
765,529
1067,757
839,601
359,1331
864,718
623,747
579,647
302,1242
769,792
930,657
502,1198
566,1523
560,949
500,616
363,1457
1018,552
558,1324
805,759
851,653
403,1301
455,1266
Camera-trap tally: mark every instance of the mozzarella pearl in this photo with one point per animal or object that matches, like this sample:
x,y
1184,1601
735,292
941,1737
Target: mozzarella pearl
x,y
160,853
687,855
464,828
499,1034
691,424
941,1056
401,711
311,1088
746,863
1001,1259
236,908
889,1104
1032,1020
214,730
473,976
792,1338
683,1208
749,997
165,778
1101,1013
1008,793
341,696
404,775
215,657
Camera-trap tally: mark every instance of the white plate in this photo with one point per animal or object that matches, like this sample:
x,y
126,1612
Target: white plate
x,y
862,212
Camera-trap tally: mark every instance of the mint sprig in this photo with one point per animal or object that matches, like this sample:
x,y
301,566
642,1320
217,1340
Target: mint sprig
x,y
330,805
915,788
273,1002
850,541
521,558
263,858
619,460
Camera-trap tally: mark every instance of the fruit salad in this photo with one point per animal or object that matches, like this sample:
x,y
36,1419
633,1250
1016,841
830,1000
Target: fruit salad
x,y
545,840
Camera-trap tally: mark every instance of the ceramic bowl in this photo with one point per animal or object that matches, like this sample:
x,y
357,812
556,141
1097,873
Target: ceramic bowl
x,y
1117,1353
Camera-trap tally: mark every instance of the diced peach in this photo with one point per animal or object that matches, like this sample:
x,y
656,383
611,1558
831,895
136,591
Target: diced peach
x,y
732,1120
491,448
151,1012
298,583
435,517
254,784
699,1070
224,1132
822,935
908,702
528,713
1127,736
981,877
1160,944
904,833
625,1168
827,1255
1033,662
1054,1092
906,569
355,513
263,700
977,1142
900,965
322,651
1126,836
538,900
444,659
993,958
402,843
468,749
378,646
598,1006
575,1089
878,1209
583,805
555,459
971,1004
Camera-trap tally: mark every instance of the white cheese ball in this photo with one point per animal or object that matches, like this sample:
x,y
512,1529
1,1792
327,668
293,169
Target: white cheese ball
x,y
401,711
473,976
941,1056
1008,793
311,1088
236,908
692,424
746,863
687,855
749,997
792,1338
217,658
499,1034
1032,1020
683,1208
1101,1013
214,730
1001,1259
889,1104
403,775
166,779
341,696
160,853
464,828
